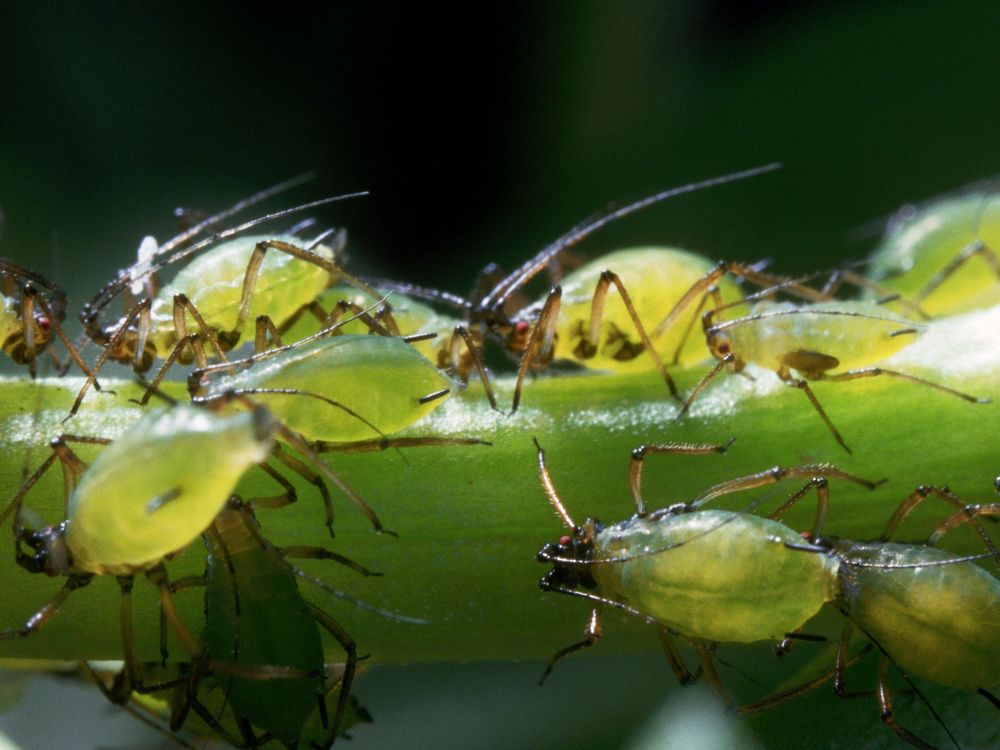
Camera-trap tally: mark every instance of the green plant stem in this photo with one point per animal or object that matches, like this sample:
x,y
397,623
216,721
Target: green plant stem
x,y
471,519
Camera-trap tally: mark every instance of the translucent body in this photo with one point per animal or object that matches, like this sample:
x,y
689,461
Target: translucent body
x,y
712,574
774,333
255,617
918,247
159,485
380,378
941,622
213,282
656,278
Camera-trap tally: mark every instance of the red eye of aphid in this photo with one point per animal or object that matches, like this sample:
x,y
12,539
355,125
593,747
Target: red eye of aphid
x,y
44,323
807,535
521,327
564,540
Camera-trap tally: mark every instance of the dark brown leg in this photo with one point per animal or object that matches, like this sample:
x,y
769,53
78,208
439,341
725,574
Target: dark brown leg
x,y
591,636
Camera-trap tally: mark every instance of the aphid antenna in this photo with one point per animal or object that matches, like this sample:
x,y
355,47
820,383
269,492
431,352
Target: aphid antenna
x,y
140,271
337,594
550,489
236,208
496,298
756,317
601,600
427,294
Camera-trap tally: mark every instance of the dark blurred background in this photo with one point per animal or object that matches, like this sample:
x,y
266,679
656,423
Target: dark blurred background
x,y
484,130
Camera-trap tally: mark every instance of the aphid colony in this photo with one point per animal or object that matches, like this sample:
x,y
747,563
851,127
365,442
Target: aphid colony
x,y
341,362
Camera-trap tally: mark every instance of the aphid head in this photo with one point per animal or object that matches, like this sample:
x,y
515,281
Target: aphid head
x,y
571,559
721,347
49,556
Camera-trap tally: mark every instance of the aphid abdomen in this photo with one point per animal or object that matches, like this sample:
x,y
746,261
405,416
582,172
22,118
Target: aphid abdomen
x,y
716,575
159,485
380,378
214,283
256,618
941,622
916,249
855,334
655,279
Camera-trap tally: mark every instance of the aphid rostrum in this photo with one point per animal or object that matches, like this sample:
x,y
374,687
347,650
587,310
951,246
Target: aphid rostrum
x,y
707,575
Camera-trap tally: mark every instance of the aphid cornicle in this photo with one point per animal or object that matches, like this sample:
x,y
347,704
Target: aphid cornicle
x,y
944,257
803,343
933,614
31,313
204,311
708,575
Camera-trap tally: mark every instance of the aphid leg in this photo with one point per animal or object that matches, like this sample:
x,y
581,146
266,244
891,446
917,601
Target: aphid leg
x,y
592,635
220,342
637,462
973,249
841,276
191,341
715,295
588,346
783,646
73,467
38,620
684,676
181,584
707,668
140,312
350,666
968,515
816,473
871,372
158,577
727,360
539,344
289,497
253,269
777,699
885,708
461,335
803,386
298,551
53,321
965,514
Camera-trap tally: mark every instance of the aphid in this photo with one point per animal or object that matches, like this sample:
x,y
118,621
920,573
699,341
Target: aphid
x,y
931,613
801,343
943,257
333,388
729,576
32,311
146,496
256,620
576,320
210,300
